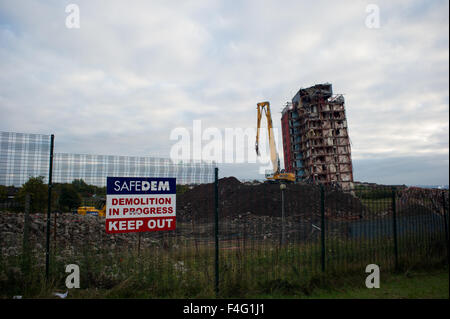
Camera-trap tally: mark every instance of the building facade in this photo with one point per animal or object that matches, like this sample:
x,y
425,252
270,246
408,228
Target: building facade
x,y
316,143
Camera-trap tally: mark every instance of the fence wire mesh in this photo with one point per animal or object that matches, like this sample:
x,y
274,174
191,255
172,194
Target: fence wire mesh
x,y
326,230
22,156
268,238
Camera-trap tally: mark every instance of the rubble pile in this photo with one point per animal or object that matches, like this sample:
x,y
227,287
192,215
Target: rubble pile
x,y
236,198
246,211
73,232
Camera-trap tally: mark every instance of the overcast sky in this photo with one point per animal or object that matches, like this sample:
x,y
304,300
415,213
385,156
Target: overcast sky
x,y
135,70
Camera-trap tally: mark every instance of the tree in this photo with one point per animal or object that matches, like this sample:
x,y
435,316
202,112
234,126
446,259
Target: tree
x,y
82,188
69,197
38,190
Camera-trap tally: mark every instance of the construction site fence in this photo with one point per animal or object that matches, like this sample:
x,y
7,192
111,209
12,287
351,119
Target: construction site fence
x,y
233,235
230,236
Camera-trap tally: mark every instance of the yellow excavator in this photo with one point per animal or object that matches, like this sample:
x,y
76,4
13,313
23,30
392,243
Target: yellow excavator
x,y
91,210
277,175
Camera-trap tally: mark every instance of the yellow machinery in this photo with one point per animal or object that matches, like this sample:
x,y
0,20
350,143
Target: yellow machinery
x,y
276,175
90,210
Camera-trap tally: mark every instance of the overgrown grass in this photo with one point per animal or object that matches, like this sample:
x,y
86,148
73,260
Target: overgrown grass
x,y
377,206
188,271
408,284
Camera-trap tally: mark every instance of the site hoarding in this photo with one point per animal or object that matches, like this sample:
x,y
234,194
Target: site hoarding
x,y
140,204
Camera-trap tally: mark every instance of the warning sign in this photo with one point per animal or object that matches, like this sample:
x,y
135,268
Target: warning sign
x,y
140,204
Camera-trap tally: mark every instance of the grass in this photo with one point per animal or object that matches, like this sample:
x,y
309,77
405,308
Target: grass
x,y
378,205
432,284
265,271
429,284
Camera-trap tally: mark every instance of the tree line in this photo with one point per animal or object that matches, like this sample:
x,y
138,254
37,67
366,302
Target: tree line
x,y
65,196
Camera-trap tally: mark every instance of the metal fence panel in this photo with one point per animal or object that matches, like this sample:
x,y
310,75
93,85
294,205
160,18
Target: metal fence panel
x,y
264,237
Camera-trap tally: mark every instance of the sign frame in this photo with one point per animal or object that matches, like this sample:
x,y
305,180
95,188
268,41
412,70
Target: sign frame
x,y
140,204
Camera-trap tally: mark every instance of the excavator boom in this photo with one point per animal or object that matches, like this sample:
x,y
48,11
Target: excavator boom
x,y
276,175
265,107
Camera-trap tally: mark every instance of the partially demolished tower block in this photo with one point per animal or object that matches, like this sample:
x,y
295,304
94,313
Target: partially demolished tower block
x,y
316,144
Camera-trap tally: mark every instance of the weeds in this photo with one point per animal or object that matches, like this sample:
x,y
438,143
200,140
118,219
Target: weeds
x,y
187,272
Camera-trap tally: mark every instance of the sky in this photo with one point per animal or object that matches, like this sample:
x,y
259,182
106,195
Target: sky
x,y
135,71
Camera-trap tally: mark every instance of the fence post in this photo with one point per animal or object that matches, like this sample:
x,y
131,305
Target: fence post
x,y
54,229
445,225
283,221
322,225
394,223
139,244
216,230
49,208
26,222
26,230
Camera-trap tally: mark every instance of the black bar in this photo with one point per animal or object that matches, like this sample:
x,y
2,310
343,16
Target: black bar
x,y
176,308
49,207
394,219
216,230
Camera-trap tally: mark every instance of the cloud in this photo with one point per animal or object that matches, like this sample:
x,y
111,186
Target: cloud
x,y
132,73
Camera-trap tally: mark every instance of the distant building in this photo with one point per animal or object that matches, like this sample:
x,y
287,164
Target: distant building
x,y
316,143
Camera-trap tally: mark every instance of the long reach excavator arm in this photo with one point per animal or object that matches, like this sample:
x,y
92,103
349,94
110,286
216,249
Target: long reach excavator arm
x,y
265,107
